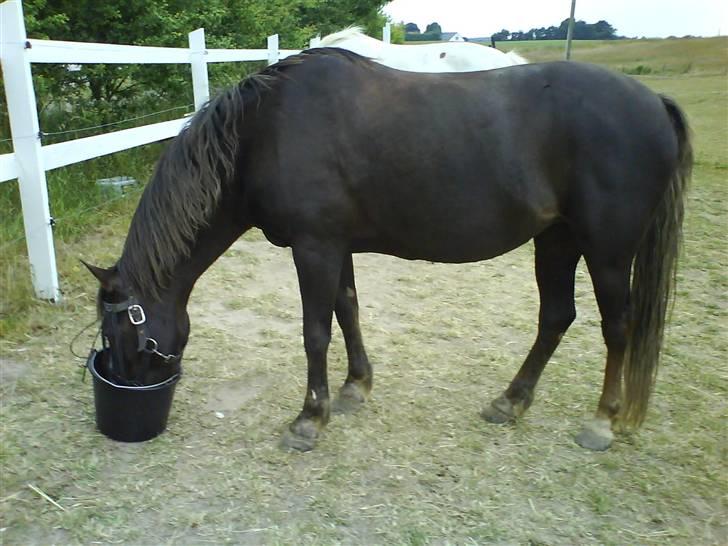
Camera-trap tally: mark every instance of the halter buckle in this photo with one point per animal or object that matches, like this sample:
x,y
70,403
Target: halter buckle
x,y
136,314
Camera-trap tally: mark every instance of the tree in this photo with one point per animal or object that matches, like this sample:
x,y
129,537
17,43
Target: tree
x,y
553,33
99,93
398,34
582,31
604,31
433,28
564,30
600,30
328,16
412,28
502,35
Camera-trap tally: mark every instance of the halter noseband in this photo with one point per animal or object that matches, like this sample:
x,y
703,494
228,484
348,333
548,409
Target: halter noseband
x,y
138,318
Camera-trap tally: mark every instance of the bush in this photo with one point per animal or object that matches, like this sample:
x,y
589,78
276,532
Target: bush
x,y
638,70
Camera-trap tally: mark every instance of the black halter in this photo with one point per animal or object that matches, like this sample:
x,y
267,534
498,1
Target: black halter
x,y
145,344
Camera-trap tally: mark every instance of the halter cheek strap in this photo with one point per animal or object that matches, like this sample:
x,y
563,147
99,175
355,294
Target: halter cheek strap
x,y
117,357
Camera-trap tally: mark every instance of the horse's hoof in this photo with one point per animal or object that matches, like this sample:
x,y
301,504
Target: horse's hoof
x,y
351,397
294,442
499,412
596,435
301,436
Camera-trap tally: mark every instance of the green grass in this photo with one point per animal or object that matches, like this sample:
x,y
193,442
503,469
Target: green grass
x,y
664,57
416,465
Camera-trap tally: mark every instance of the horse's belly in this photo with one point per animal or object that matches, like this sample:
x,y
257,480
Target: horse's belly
x,y
455,229
444,255
453,245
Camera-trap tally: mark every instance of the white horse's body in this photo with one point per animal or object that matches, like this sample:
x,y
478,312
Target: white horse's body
x,y
441,57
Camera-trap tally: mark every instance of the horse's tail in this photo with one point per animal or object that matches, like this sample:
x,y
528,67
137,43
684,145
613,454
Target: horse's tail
x,y
653,278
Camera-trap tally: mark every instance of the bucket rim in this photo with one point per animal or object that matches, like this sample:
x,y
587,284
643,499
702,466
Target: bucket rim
x,y
91,365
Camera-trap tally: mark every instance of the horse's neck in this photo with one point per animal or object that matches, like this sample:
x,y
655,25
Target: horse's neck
x,y
210,243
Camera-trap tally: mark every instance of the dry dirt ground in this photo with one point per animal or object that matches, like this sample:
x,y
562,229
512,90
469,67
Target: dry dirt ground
x,y
416,465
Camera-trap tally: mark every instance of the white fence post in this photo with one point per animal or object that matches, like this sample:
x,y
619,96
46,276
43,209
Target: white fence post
x,y
29,159
198,66
315,42
25,130
273,52
387,33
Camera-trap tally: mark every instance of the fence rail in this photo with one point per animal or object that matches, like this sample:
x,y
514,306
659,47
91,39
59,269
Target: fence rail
x,y
30,160
81,149
51,51
8,167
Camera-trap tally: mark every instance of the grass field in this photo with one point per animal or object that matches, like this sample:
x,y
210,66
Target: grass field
x,y
660,57
416,465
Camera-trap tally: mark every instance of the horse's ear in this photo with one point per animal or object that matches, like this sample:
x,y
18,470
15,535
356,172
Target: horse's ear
x,y
104,276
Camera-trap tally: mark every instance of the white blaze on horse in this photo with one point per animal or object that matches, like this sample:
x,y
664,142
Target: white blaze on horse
x,y
441,57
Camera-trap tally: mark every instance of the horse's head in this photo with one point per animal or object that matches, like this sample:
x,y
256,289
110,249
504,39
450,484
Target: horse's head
x,y
143,338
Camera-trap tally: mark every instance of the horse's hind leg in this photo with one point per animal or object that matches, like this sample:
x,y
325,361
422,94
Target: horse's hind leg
x,y
358,382
611,286
556,259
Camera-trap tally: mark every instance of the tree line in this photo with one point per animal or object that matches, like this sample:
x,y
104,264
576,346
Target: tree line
x,y
433,33
601,30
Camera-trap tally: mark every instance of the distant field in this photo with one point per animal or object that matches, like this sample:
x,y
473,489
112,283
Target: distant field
x,y
674,56
417,465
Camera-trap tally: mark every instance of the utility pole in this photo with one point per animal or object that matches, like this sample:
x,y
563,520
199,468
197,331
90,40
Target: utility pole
x,y
570,31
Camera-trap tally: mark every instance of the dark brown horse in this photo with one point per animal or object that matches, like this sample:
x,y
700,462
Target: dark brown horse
x,y
330,154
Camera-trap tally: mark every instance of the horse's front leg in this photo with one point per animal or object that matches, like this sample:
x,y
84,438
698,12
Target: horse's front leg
x,y
318,265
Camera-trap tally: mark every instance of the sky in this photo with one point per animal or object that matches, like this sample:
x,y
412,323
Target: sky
x,y
631,18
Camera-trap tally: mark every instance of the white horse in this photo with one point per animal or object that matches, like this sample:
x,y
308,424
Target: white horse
x,y
441,57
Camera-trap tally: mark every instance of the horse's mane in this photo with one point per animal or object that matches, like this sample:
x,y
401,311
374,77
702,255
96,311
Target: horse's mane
x,y
343,35
189,178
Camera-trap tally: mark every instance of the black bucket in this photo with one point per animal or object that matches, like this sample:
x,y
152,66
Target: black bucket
x,y
129,414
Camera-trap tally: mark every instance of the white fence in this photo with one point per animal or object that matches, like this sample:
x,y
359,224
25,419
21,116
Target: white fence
x,y
30,159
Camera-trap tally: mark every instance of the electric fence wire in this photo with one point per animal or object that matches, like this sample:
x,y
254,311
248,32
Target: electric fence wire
x,y
114,123
187,107
78,213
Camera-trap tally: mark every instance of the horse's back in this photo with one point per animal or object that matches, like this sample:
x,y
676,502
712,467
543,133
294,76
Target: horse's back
x,y
431,163
577,111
